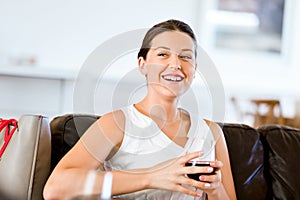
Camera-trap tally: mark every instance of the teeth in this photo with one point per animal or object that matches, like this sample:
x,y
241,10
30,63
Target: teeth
x,y
172,78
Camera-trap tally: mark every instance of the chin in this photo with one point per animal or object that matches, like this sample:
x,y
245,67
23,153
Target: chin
x,y
172,93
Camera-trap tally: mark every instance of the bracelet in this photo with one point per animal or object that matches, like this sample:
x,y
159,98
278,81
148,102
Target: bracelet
x,y
107,186
89,182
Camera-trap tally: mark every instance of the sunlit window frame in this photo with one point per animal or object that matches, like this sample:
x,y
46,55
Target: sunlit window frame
x,y
256,57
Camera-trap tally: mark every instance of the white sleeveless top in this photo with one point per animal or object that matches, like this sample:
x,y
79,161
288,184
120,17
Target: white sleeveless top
x,y
145,145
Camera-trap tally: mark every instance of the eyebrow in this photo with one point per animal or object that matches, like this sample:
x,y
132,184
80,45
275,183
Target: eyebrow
x,y
167,48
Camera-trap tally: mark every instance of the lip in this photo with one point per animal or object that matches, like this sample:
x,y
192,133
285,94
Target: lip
x,y
173,77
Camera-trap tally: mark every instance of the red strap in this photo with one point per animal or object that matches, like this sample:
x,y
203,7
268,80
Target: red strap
x,y
8,133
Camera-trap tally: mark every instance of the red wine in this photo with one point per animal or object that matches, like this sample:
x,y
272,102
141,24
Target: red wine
x,y
198,164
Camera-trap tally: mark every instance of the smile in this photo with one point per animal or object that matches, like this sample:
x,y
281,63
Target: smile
x,y
173,78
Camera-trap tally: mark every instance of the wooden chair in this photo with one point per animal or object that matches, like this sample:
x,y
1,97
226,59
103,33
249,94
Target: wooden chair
x,y
273,114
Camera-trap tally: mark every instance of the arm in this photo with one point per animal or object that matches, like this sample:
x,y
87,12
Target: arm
x,y
224,189
68,178
89,153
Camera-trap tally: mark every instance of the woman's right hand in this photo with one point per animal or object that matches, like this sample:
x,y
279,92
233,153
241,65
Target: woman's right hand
x,y
171,175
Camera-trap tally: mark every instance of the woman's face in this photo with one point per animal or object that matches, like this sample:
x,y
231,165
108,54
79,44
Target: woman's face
x,y
170,64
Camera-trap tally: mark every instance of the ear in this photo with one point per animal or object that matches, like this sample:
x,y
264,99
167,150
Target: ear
x,y
142,66
196,66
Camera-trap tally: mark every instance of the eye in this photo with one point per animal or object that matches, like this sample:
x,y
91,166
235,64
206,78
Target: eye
x,y
163,54
185,57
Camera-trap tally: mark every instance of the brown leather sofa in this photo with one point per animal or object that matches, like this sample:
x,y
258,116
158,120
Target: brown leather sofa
x,y
264,161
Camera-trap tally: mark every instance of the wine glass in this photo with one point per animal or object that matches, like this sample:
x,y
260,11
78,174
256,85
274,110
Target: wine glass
x,y
207,144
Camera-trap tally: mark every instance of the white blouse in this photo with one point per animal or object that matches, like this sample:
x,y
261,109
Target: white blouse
x,y
145,145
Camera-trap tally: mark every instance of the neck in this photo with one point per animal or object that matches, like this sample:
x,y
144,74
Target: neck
x,y
162,110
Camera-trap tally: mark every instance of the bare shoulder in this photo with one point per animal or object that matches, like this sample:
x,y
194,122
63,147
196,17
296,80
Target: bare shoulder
x,y
221,146
115,119
215,128
113,124
212,124
223,156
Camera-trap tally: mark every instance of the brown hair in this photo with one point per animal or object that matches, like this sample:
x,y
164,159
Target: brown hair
x,y
169,25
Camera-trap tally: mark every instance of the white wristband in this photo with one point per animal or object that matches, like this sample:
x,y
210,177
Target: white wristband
x,y
89,182
107,186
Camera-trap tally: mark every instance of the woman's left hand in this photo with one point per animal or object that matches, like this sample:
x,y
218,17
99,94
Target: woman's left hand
x,y
209,183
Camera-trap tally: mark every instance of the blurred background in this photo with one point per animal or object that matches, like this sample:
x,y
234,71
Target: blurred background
x,y
252,43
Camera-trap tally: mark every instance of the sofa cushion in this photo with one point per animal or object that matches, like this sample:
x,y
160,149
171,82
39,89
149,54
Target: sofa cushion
x,y
247,161
282,154
66,131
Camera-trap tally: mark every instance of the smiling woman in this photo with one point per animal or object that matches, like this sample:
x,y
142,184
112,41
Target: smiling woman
x,y
146,143
170,63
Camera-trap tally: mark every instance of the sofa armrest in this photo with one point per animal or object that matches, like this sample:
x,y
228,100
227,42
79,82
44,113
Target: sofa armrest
x,y
247,161
282,159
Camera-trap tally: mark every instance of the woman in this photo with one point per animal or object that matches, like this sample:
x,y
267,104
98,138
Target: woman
x,y
145,144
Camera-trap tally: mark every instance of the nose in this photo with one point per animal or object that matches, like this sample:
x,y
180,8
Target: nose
x,y
175,63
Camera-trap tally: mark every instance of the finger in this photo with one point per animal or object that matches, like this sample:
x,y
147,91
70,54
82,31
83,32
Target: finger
x,y
187,191
206,187
214,178
197,169
190,156
216,164
187,181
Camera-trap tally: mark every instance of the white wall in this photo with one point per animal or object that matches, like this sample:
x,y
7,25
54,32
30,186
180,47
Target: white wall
x,y
63,33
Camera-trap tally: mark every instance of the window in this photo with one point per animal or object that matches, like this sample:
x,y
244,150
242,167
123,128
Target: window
x,y
251,25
